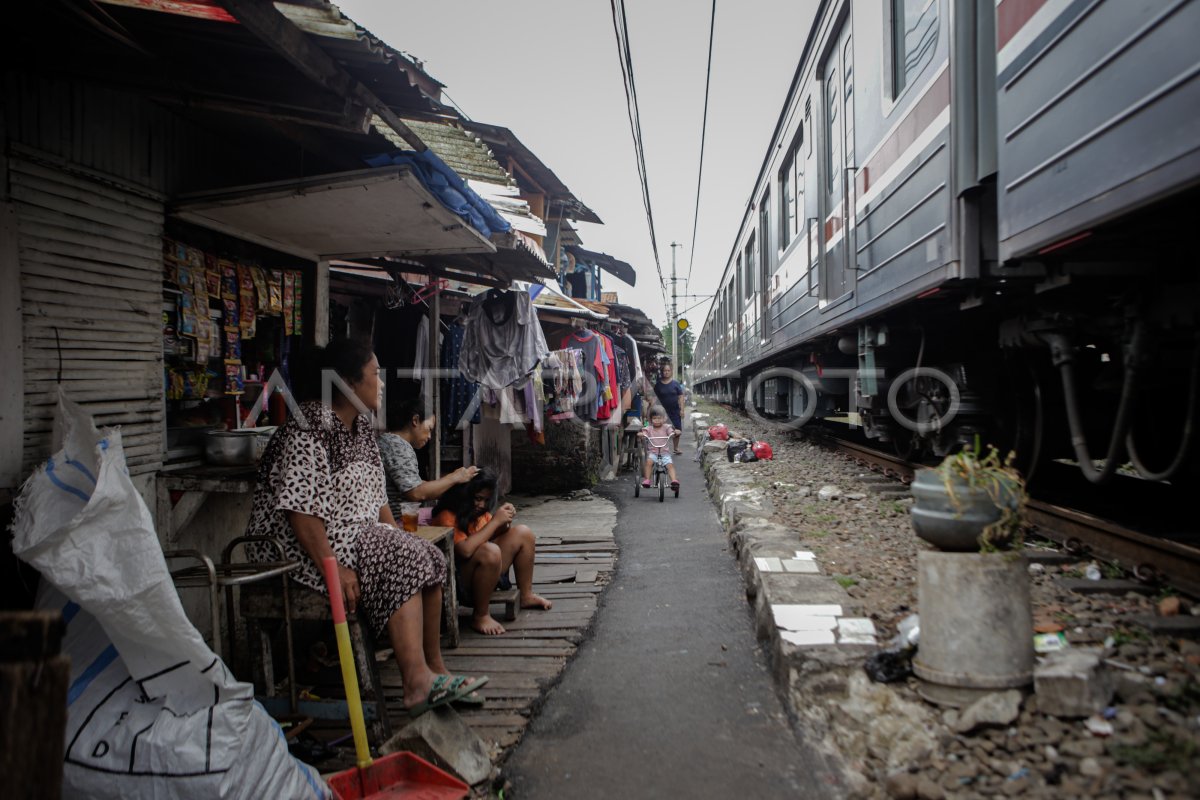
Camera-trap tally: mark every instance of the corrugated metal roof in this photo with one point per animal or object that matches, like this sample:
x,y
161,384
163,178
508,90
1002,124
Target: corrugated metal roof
x,y
463,152
506,145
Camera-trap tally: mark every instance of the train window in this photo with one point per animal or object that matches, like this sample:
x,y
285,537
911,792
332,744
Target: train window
x,y
748,284
913,39
741,282
787,202
833,141
791,189
764,241
808,122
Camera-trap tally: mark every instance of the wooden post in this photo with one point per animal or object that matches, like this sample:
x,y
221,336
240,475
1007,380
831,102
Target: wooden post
x,y
433,383
12,355
33,694
321,301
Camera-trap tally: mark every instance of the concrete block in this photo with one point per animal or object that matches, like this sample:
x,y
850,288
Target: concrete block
x,y
441,737
1072,683
997,708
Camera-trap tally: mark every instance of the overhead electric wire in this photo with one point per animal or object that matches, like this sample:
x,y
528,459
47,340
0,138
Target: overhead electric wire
x,y
621,29
712,25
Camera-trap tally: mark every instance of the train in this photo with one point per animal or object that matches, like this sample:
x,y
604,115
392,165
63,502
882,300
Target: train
x,y
975,221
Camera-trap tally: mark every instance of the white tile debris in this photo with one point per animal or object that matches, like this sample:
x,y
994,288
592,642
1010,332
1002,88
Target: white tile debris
x,y
807,567
808,638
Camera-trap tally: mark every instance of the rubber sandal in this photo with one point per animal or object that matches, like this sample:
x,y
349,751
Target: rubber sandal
x,y
445,690
645,484
674,485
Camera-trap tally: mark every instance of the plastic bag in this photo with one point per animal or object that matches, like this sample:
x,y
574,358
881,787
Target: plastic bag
x,y
735,448
889,666
151,711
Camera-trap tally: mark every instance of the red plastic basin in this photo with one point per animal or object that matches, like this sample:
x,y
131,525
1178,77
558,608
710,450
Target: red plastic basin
x,y
399,775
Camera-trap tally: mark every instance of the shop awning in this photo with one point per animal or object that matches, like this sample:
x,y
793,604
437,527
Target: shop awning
x,y
516,258
372,212
604,261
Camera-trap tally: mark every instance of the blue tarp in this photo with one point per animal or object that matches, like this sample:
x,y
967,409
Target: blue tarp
x,y
446,185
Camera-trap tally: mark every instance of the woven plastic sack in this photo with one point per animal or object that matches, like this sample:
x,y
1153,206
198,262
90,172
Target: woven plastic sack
x,y
151,711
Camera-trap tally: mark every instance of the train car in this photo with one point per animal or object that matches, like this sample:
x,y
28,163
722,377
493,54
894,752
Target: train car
x,y
973,219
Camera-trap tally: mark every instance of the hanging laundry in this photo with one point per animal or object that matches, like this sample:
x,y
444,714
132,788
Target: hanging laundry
x,y
457,392
503,343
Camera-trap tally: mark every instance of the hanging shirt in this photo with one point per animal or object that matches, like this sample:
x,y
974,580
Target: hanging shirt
x,y
458,393
504,342
589,343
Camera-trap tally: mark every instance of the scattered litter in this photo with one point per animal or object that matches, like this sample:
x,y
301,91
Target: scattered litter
x,y
1037,569
828,492
1109,713
1050,642
1098,726
1023,772
1092,572
889,666
909,631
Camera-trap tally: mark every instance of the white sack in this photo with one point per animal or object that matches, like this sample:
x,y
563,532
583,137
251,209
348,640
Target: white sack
x,y
152,711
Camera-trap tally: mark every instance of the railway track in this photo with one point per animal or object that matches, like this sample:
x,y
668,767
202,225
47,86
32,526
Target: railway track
x,y
1149,558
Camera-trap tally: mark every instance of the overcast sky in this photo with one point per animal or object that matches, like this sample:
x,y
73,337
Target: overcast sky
x,y
548,70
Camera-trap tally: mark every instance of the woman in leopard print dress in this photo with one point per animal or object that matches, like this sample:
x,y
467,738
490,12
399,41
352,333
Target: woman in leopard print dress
x,y
321,491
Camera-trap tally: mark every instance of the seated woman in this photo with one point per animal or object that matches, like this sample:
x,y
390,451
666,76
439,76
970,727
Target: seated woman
x,y
485,546
408,431
321,491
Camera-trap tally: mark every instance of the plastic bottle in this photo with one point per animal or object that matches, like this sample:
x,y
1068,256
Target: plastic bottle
x,y
1092,572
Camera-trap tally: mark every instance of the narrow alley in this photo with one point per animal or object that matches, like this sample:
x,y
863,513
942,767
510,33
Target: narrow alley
x,y
670,696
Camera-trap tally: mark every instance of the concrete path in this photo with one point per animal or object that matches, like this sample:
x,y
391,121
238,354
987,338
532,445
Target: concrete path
x,y
671,696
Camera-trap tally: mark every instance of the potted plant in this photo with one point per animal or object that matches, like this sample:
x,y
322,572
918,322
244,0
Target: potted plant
x,y
972,502
973,591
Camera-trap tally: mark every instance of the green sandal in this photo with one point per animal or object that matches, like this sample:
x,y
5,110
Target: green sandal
x,y
445,690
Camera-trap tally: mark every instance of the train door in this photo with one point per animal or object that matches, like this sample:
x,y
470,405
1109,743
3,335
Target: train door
x,y
837,267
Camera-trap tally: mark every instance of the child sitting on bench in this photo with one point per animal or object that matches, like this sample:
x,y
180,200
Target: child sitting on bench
x,y
485,546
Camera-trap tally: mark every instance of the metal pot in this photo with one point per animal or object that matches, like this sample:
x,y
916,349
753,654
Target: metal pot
x,y
949,525
229,448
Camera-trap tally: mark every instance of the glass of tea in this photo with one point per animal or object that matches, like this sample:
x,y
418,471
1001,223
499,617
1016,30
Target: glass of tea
x,y
408,516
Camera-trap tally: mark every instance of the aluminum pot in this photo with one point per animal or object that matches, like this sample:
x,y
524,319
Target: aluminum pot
x,y
230,448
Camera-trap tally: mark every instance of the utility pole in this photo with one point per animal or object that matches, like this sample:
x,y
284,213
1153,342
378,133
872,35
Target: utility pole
x,y
674,318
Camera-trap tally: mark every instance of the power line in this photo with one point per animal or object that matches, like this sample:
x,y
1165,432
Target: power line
x,y
621,29
712,25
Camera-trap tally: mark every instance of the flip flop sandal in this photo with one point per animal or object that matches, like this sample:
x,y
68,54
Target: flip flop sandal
x,y
445,690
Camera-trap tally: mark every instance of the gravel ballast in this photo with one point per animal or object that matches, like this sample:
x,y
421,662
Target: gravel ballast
x,y
815,534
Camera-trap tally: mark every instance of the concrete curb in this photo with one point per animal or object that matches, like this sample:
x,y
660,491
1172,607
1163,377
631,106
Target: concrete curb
x,y
817,635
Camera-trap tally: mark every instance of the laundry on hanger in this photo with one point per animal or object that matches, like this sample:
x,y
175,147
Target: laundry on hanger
x,y
503,342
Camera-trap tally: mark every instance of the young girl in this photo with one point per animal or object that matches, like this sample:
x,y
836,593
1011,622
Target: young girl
x,y
658,436
485,546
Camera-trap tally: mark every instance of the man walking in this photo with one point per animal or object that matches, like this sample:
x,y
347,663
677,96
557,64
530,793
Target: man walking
x,y
671,394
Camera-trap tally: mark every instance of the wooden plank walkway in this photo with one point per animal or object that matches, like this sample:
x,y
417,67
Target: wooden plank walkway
x,y
576,552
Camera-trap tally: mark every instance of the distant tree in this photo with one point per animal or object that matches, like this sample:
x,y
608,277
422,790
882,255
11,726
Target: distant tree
x,y
686,340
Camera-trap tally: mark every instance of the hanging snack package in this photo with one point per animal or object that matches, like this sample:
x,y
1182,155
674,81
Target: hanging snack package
x,y
231,314
297,303
229,288
275,289
246,301
194,258
204,337
259,276
187,315
212,275
233,379
233,347
200,288
289,297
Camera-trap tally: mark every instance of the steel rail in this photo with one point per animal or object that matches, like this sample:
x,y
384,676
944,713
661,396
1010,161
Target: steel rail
x,y
1149,558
